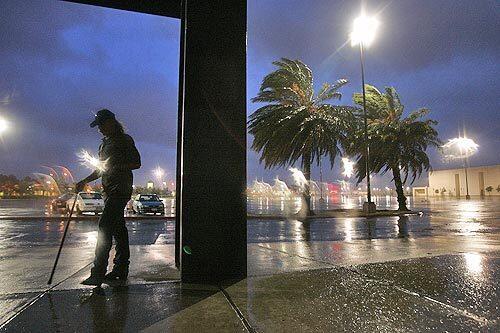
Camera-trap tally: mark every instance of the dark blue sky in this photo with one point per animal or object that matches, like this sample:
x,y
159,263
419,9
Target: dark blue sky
x,y
61,61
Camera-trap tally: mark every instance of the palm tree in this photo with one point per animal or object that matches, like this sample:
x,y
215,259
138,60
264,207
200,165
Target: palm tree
x,y
295,124
397,143
489,189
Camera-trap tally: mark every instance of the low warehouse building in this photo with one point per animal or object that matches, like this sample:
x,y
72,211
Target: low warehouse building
x,y
483,180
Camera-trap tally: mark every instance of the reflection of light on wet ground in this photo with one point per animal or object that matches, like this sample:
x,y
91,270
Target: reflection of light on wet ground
x,y
469,227
348,230
298,230
473,262
91,237
301,247
468,210
348,202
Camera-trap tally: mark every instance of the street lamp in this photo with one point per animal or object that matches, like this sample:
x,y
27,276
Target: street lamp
x,y
363,34
4,126
159,172
467,147
461,148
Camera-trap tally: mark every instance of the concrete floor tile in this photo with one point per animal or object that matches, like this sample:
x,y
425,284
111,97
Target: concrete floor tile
x,y
339,300
213,314
128,309
468,281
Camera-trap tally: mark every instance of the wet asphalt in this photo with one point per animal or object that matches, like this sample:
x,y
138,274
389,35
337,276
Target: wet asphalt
x,y
438,217
433,272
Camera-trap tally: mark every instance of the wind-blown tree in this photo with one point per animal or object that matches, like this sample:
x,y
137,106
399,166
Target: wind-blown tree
x,y
397,144
294,124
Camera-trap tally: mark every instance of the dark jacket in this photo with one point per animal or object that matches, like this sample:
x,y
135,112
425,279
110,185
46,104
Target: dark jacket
x,y
117,151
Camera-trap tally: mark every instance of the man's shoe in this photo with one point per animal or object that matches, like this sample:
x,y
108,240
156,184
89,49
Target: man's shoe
x,y
92,281
116,276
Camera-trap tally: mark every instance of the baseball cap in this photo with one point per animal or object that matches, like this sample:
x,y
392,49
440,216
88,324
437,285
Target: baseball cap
x,y
101,116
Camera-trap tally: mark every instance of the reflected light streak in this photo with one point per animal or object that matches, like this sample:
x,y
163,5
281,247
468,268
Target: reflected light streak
x,y
473,262
348,230
91,237
468,211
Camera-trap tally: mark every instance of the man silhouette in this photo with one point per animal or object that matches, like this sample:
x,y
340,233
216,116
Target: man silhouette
x,y
120,155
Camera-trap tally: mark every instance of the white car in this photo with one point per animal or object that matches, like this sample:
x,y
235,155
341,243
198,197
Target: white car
x,y
86,202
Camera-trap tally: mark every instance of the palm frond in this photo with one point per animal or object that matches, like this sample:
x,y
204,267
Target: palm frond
x,y
294,125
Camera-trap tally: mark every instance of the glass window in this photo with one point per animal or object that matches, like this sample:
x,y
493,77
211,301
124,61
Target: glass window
x,y
91,196
149,198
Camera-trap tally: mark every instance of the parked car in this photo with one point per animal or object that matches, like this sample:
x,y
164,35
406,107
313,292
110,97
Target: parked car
x,y
59,203
148,203
86,202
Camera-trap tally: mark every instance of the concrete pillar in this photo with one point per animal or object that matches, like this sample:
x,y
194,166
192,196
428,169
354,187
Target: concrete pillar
x,y
212,144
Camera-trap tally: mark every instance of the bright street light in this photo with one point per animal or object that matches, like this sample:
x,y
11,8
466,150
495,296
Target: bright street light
x,y
4,125
363,34
461,148
364,29
159,172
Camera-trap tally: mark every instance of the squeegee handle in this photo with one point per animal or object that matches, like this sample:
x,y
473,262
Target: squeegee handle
x,y
62,241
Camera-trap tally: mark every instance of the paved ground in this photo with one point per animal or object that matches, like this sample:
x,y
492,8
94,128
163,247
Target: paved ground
x,y
436,272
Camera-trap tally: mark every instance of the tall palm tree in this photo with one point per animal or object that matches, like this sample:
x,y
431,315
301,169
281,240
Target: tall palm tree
x,y
397,144
295,124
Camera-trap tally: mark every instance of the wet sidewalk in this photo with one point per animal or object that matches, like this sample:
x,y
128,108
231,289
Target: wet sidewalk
x,y
432,284
433,273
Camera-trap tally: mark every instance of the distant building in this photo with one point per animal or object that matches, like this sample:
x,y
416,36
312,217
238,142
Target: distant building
x,y
420,191
150,185
451,182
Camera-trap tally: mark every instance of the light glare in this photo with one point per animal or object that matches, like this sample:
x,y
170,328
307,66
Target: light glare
x,y
348,167
460,147
91,162
363,31
3,125
158,172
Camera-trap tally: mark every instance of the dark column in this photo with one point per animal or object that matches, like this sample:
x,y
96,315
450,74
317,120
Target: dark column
x,y
180,117
212,204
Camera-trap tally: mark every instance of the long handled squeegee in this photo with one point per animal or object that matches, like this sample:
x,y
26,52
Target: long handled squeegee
x,y
62,241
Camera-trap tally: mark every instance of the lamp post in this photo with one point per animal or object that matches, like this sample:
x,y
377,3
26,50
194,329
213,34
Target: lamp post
x,y
363,34
461,148
467,147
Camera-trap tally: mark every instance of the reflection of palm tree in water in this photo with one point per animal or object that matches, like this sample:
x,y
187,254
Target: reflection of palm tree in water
x,y
403,226
306,230
371,223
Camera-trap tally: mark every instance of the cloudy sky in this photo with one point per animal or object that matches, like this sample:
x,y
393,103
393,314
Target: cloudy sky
x,y
60,61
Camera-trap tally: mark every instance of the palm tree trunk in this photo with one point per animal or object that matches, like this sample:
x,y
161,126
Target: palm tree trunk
x,y
306,162
399,188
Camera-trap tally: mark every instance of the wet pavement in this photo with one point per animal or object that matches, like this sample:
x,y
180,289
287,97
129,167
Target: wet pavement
x,y
436,272
469,282
273,206
357,298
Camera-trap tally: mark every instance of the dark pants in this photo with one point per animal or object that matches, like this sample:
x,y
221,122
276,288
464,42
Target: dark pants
x,y
112,225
